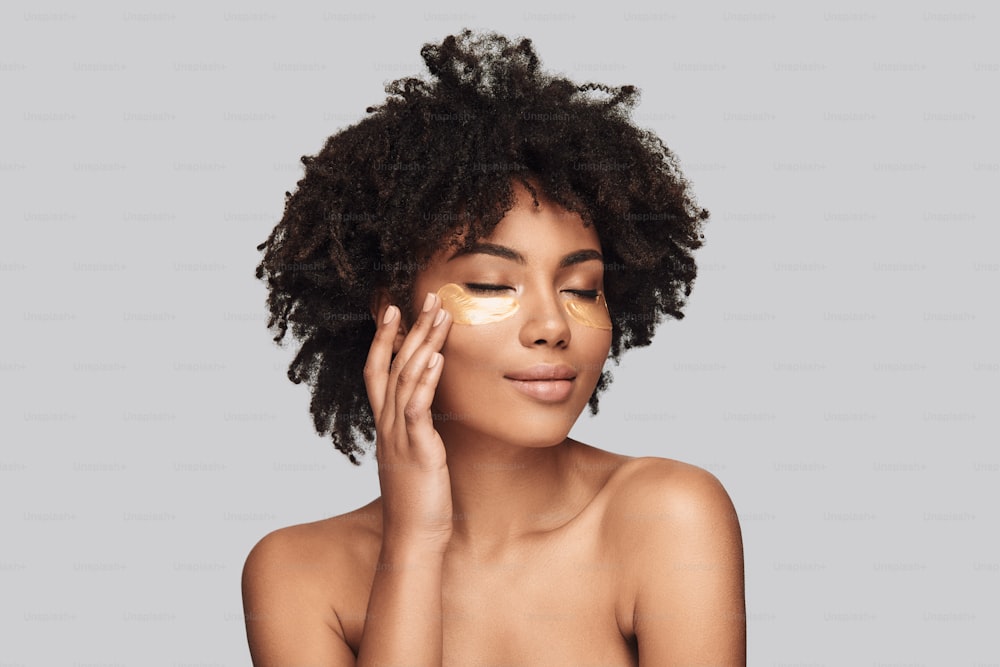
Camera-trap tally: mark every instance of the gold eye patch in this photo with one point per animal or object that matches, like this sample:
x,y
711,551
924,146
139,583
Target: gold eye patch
x,y
590,313
468,308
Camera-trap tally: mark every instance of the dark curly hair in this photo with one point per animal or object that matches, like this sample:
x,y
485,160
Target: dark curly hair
x,y
438,160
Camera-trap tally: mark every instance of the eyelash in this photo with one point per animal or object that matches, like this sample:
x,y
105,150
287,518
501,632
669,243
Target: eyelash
x,y
489,289
483,287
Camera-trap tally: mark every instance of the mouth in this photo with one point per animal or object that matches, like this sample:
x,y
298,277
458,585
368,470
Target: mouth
x,y
548,391
543,372
549,383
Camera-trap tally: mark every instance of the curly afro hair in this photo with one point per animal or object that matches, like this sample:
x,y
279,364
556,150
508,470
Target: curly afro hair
x,y
434,165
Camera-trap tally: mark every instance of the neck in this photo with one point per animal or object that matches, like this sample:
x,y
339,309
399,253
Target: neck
x,y
502,492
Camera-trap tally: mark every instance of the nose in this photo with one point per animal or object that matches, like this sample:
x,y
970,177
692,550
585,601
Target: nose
x,y
545,322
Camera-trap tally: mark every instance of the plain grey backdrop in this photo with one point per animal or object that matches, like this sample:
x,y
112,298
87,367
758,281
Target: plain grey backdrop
x,y
834,370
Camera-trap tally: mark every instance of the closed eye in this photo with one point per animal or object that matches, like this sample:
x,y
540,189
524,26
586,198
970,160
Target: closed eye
x,y
484,288
591,294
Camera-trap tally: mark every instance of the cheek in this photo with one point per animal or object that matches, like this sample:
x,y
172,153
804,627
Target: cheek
x,y
472,373
598,347
473,354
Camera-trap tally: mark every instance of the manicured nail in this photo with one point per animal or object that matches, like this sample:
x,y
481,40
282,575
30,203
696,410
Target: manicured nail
x,y
429,301
390,313
439,317
434,360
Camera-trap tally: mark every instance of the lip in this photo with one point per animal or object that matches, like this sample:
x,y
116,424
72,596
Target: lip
x,y
543,372
550,383
549,391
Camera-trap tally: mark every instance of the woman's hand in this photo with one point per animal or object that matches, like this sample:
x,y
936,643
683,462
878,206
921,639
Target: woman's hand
x,y
412,467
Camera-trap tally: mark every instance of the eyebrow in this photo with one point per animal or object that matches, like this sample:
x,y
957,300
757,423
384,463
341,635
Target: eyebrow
x,y
509,253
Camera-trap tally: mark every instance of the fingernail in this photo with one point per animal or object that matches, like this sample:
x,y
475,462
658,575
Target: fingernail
x,y
434,360
439,317
390,313
429,301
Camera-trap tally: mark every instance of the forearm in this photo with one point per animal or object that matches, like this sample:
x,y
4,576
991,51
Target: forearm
x,y
403,623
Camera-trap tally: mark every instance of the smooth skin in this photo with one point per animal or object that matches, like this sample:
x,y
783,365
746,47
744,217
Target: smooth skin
x,y
498,540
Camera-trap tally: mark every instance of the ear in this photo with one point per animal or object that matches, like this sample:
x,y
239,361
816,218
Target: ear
x,y
380,302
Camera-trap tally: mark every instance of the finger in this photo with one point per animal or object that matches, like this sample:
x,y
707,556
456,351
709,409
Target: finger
x,y
417,365
376,372
415,337
417,413
439,329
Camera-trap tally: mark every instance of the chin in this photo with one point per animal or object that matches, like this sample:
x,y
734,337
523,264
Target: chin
x,y
506,415
539,438
521,428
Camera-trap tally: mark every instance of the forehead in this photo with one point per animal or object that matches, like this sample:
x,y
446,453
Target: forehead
x,y
542,231
547,222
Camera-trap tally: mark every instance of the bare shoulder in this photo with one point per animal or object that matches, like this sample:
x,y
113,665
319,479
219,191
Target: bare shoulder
x,y
666,503
310,551
642,493
293,578
677,529
647,486
651,484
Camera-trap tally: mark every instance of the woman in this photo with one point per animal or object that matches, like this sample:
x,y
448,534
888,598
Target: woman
x,y
475,250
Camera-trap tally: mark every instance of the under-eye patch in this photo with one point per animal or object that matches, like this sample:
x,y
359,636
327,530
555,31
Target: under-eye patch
x,y
590,312
469,308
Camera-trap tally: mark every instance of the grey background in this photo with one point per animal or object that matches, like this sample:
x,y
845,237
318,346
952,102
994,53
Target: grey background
x,y
833,371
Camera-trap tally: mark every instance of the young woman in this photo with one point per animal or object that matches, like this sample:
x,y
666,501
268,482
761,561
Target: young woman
x,y
472,253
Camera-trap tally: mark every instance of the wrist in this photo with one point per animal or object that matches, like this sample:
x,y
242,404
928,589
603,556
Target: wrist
x,y
400,552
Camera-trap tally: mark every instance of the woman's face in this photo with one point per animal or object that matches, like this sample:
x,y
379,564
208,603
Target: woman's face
x,y
537,274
